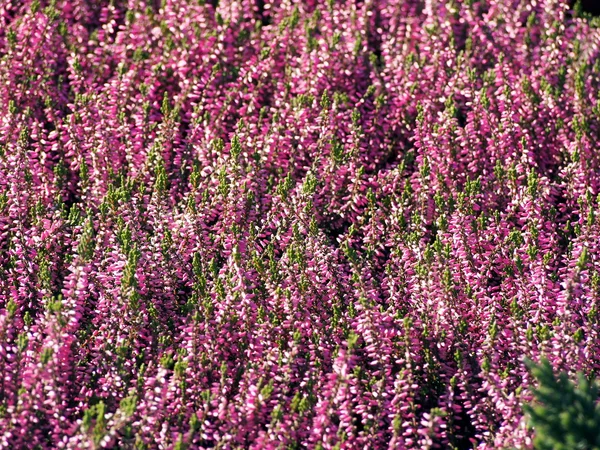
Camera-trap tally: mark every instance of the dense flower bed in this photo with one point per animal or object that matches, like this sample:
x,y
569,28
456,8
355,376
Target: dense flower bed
x,y
276,224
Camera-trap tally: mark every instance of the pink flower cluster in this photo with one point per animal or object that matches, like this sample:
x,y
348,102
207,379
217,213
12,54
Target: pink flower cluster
x,y
277,224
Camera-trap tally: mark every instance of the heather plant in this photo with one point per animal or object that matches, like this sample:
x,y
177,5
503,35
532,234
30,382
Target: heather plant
x,y
275,224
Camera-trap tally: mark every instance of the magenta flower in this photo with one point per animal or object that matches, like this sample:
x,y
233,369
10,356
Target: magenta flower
x,y
333,225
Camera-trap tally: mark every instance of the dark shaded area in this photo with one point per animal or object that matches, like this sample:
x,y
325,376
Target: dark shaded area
x,y
461,117
463,422
591,7
264,16
494,279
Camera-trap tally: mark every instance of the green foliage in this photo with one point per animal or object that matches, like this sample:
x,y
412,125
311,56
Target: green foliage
x,y
94,417
128,405
564,416
87,243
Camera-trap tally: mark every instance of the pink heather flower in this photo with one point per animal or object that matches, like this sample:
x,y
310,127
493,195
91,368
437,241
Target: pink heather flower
x,y
320,224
